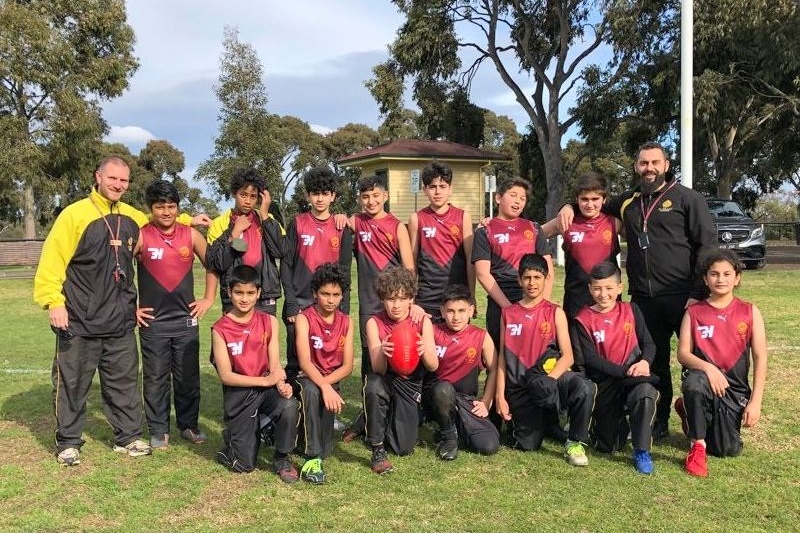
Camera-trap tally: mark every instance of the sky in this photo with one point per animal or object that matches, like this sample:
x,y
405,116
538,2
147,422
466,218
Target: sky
x,y
316,54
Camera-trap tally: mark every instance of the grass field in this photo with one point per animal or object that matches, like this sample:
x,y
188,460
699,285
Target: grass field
x,y
183,489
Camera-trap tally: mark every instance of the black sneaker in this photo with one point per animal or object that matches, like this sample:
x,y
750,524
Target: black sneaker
x,y
447,449
285,469
660,429
194,435
380,461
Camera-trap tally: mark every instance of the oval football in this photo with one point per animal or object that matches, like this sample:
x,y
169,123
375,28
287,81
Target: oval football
x,y
405,358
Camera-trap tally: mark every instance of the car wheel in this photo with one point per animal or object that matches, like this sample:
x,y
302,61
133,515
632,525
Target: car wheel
x,y
756,265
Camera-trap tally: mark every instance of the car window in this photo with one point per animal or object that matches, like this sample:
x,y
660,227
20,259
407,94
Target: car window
x,y
725,208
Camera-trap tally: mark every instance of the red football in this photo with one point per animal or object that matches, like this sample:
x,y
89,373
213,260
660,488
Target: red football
x,y
405,358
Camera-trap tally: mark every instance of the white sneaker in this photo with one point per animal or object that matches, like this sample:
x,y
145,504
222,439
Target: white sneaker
x,y
575,454
69,457
136,448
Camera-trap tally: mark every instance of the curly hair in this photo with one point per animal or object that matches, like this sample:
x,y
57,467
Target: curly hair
x,y
394,281
434,170
243,177
319,180
332,273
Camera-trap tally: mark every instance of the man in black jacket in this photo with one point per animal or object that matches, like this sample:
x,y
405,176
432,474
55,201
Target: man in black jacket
x,y
667,226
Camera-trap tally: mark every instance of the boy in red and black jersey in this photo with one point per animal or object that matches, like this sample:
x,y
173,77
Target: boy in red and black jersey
x,y
617,352
534,379
312,239
325,354
718,338
391,401
441,240
591,238
498,248
168,317
450,395
247,358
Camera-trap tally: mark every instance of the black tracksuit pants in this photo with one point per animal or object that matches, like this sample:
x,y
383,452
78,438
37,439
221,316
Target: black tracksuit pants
x,y
317,427
716,419
452,410
391,405
620,407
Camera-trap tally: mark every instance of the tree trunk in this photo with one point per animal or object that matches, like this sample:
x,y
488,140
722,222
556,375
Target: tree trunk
x,y
29,211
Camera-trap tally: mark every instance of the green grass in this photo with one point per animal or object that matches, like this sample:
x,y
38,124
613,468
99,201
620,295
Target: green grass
x,y
183,489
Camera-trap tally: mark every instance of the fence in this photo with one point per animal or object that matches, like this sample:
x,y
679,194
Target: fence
x,y
20,252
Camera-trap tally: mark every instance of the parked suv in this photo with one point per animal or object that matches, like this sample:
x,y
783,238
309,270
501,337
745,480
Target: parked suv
x,y
737,231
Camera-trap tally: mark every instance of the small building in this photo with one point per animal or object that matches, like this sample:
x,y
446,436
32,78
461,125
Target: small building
x,y
400,163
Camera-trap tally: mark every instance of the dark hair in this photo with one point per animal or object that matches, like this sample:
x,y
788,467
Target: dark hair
x,y
161,191
371,182
605,270
651,146
395,280
434,170
244,275
534,262
715,256
243,177
330,273
319,180
457,293
505,185
591,182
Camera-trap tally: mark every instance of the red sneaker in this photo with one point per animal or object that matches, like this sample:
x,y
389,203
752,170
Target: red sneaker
x,y
380,461
681,410
696,462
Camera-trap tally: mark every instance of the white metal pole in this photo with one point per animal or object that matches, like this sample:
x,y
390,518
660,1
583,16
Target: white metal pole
x,y
687,105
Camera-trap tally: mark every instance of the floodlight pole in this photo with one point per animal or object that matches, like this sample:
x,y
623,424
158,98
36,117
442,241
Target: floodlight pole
x,y
687,105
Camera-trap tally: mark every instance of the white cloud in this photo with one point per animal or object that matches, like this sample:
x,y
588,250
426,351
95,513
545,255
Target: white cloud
x,y
130,136
322,130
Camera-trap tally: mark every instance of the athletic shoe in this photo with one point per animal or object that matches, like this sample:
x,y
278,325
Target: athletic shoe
x,y
194,435
312,471
338,425
661,429
69,457
642,462
680,408
159,442
575,454
447,449
696,461
380,461
136,448
285,469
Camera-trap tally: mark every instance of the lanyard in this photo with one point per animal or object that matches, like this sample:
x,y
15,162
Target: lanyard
x,y
114,238
646,215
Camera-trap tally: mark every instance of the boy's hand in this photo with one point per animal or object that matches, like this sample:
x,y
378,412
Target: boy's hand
x,y
420,346
479,409
201,219
332,400
143,313
485,222
717,380
340,221
291,319
752,414
565,217
417,314
266,200
639,369
284,389
239,227
387,347
502,409
59,317
199,307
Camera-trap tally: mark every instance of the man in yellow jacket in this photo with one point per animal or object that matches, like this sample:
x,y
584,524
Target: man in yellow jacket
x,y
85,281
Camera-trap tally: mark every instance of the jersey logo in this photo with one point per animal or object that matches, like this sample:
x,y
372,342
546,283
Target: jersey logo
x,y
440,351
308,240
429,233
606,237
666,206
236,348
599,336
577,236
366,236
741,330
528,234
627,329
706,332
545,328
156,253
515,329
502,238
316,342
471,354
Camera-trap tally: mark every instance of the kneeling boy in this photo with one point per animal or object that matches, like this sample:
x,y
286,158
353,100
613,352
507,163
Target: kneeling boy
x,y
392,401
245,353
324,342
534,378
617,351
450,393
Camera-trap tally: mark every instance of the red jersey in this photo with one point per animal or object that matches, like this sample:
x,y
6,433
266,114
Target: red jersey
x,y
460,356
376,249
247,343
530,334
614,332
326,341
441,260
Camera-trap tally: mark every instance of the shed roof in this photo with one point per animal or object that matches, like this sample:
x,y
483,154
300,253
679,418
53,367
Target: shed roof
x,y
421,149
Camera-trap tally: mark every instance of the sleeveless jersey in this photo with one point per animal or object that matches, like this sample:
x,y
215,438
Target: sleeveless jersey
x,y
530,334
376,249
614,333
247,343
385,327
441,260
587,242
326,341
503,243
165,279
459,355
722,337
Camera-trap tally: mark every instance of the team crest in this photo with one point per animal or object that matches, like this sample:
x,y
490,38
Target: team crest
x,y
455,231
545,328
470,355
185,253
341,341
627,329
335,242
606,236
528,234
666,205
741,330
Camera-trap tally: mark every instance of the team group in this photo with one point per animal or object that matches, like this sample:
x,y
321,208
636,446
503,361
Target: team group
x,y
601,362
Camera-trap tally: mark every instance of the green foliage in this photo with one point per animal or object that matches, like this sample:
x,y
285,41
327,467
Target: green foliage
x,y
346,140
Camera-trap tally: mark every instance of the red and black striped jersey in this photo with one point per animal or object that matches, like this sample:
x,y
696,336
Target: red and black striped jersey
x,y
614,332
247,343
326,341
441,260
460,356
376,249
530,334
503,243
